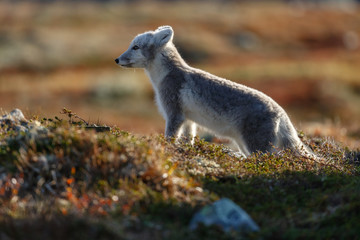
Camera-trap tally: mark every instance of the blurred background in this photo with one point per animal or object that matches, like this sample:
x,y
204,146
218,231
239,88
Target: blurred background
x,y
304,54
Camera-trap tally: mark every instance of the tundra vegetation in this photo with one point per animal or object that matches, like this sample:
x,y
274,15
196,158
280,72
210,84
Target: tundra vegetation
x,y
70,182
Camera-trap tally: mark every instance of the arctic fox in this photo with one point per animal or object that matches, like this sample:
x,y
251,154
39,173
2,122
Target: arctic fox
x,y
188,96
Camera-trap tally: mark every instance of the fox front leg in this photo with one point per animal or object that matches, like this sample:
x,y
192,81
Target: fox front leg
x,y
173,125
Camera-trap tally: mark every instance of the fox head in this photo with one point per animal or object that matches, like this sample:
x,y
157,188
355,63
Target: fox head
x,y
143,48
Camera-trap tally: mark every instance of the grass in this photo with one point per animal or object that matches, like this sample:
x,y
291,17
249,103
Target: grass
x,y
116,185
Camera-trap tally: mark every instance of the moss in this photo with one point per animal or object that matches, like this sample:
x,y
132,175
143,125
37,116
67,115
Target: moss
x,y
119,185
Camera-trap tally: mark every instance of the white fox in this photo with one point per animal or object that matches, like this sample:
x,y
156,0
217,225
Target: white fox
x,y
189,95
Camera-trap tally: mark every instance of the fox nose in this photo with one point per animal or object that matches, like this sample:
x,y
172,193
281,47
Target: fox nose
x,y
117,61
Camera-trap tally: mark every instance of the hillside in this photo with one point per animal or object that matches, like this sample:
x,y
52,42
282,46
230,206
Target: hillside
x,y
62,181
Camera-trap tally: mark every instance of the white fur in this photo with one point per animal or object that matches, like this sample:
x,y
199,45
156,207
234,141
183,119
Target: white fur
x,y
156,74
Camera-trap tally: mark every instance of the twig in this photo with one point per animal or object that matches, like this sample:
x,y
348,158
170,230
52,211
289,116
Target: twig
x,y
71,114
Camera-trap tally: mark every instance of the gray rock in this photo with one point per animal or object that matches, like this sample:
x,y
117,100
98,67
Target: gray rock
x,y
15,121
225,214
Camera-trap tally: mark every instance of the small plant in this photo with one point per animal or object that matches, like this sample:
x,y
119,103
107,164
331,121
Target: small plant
x,y
71,115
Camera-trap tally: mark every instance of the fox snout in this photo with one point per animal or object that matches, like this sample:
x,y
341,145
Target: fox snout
x,y
123,61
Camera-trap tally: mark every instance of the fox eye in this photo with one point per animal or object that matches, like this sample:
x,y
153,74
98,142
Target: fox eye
x,y
136,47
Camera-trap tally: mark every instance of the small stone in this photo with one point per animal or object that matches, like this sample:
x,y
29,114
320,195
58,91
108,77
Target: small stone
x,y
17,115
225,214
16,121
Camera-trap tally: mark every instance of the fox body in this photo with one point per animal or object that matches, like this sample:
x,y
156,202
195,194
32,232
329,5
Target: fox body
x,y
187,96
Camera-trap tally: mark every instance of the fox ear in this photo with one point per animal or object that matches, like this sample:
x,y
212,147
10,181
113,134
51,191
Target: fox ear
x,y
163,35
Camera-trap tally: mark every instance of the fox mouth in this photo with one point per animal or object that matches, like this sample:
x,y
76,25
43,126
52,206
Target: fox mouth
x,y
126,65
